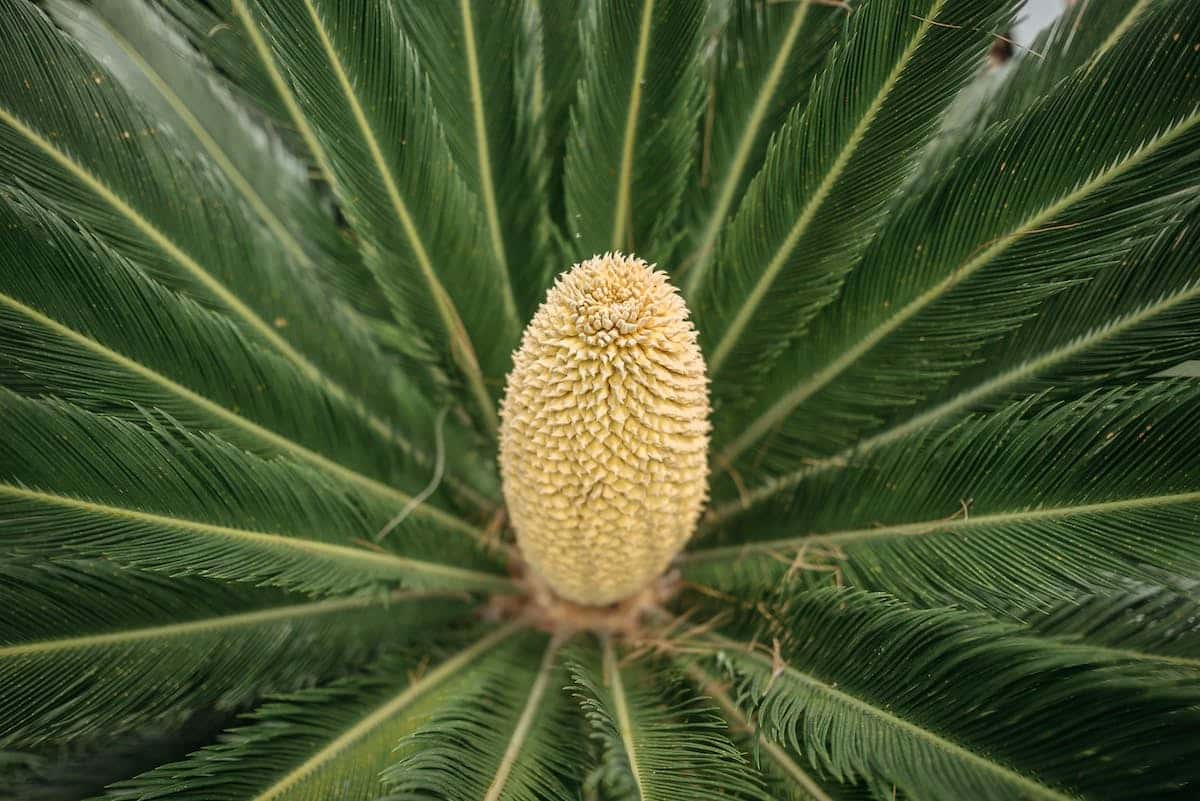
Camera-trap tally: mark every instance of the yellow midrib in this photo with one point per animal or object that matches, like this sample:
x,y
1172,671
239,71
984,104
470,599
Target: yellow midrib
x,y
398,564
942,526
240,619
935,740
612,674
783,407
524,723
629,142
961,401
758,113
271,439
747,310
388,710
461,347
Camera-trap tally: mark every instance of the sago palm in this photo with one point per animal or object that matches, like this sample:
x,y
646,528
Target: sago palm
x,y
666,400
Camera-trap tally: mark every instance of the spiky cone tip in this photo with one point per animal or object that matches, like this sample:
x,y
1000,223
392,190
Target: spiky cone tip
x,y
604,431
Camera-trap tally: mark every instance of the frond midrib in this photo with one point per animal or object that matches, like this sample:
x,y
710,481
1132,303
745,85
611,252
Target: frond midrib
x,y
388,710
487,183
624,723
227,299
460,342
217,623
400,565
271,439
214,150
1007,774
742,319
520,734
702,257
629,138
740,720
783,407
942,526
964,400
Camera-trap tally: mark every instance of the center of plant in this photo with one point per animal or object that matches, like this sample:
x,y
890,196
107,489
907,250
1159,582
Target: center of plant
x,y
604,431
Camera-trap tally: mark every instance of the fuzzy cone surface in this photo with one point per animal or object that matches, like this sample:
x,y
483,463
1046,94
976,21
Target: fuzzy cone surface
x,y
857,458
604,431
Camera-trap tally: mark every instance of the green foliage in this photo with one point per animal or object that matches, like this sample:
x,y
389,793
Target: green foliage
x,y
262,265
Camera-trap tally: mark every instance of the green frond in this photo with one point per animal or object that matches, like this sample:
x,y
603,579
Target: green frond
x,y
83,768
764,61
82,323
1045,504
73,138
633,125
330,742
660,742
511,737
483,67
1140,621
152,649
957,267
787,779
830,175
1086,30
358,86
153,60
184,503
1130,322
946,705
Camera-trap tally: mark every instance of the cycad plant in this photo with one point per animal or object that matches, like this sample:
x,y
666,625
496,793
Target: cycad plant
x,y
857,457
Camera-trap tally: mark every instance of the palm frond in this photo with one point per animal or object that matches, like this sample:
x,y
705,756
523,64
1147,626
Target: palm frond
x,y
510,738
787,779
330,742
82,323
921,305
633,125
150,56
1086,30
1050,503
1130,322
1142,621
483,69
947,705
358,86
152,649
660,743
763,64
830,174
189,504
71,136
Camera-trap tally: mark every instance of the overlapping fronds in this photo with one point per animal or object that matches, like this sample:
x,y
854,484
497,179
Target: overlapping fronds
x,y
947,705
80,322
262,267
155,648
830,174
660,742
185,503
358,85
72,136
151,57
633,125
488,95
958,266
330,742
1150,621
762,66
511,737
1047,504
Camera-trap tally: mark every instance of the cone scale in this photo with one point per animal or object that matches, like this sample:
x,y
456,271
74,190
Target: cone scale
x,y
604,431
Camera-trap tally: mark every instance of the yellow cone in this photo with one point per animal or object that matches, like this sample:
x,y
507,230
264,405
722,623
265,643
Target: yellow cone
x,y
604,431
